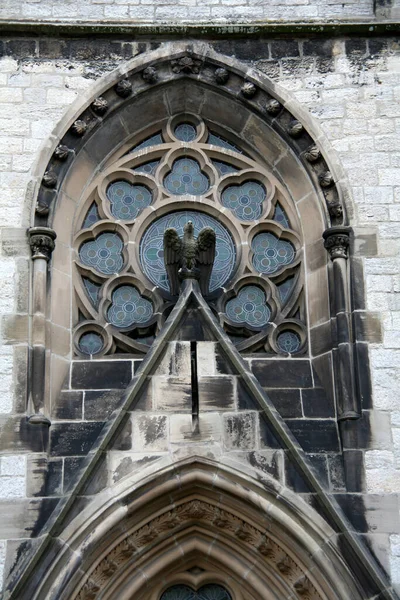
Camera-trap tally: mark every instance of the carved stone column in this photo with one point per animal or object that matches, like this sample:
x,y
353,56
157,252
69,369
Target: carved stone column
x,y
337,241
41,241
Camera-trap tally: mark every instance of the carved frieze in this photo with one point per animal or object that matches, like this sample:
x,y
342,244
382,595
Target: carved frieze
x,y
201,512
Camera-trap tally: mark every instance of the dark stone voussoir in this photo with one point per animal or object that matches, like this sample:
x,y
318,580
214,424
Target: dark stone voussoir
x,y
101,375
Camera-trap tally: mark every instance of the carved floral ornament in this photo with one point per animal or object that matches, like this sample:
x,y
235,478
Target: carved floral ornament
x,y
225,526
187,171
216,74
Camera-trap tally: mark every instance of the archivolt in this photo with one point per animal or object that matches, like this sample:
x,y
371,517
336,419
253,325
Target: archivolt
x,y
188,523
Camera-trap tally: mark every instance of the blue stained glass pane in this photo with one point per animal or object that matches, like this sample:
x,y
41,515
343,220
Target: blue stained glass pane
x,y
186,178
154,140
152,247
249,307
103,254
149,168
280,216
92,216
288,341
92,290
217,140
271,253
211,591
90,343
128,307
127,200
185,132
285,288
245,201
224,168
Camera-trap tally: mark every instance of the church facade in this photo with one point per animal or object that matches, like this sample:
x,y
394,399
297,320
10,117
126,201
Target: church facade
x,y
200,320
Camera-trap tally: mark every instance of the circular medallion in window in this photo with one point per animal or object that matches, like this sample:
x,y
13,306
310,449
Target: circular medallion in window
x,y
152,247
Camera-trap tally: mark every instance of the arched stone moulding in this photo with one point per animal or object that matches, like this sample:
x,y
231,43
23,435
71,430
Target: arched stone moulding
x,y
147,531
266,123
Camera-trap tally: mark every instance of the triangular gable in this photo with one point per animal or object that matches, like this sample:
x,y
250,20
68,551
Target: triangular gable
x,y
190,298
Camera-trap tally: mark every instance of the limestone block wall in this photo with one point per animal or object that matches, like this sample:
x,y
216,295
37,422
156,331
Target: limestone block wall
x,y
350,86
156,11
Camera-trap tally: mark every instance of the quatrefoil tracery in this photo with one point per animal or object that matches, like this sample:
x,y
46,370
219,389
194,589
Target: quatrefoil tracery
x,y
184,168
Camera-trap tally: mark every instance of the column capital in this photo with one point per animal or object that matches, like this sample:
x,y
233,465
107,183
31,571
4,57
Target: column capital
x,y
41,241
337,241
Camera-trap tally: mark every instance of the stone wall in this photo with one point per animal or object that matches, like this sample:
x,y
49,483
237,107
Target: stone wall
x,y
189,10
350,86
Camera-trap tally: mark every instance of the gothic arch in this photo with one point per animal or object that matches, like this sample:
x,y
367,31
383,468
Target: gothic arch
x,y
136,98
195,522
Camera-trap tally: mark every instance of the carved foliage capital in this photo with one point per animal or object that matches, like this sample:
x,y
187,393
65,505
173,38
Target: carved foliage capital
x,y
41,241
337,241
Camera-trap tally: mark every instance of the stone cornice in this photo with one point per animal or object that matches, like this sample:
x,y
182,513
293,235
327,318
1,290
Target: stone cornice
x,y
202,30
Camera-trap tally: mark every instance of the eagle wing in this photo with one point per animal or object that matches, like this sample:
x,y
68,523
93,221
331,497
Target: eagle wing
x,y
172,258
206,241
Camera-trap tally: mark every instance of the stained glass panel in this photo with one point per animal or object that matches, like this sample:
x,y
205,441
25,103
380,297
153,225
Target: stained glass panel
x,y
128,307
288,341
249,307
280,216
149,168
154,140
90,343
92,216
127,200
185,132
245,201
211,591
186,178
271,253
223,168
103,254
217,140
152,247
285,288
93,291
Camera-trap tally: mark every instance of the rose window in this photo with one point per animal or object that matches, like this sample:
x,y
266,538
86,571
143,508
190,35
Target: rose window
x,y
188,171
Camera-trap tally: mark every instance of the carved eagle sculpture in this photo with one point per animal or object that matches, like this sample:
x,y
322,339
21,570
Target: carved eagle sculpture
x,y
189,257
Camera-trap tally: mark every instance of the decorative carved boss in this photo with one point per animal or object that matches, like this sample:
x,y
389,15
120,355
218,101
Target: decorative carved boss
x,y
127,277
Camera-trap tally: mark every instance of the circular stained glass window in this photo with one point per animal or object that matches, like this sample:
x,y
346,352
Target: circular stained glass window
x,y
185,132
90,343
152,247
288,341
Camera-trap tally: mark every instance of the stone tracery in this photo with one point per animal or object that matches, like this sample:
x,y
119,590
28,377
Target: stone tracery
x,y
187,164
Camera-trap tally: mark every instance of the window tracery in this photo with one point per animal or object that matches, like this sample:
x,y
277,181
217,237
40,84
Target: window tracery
x,y
210,591
188,171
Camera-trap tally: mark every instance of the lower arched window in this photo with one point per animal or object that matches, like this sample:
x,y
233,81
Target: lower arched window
x,y
212,591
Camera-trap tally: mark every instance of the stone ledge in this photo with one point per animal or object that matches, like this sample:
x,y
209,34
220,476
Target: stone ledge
x,y
230,29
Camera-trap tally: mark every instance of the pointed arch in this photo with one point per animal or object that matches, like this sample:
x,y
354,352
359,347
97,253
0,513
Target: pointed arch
x,y
146,533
